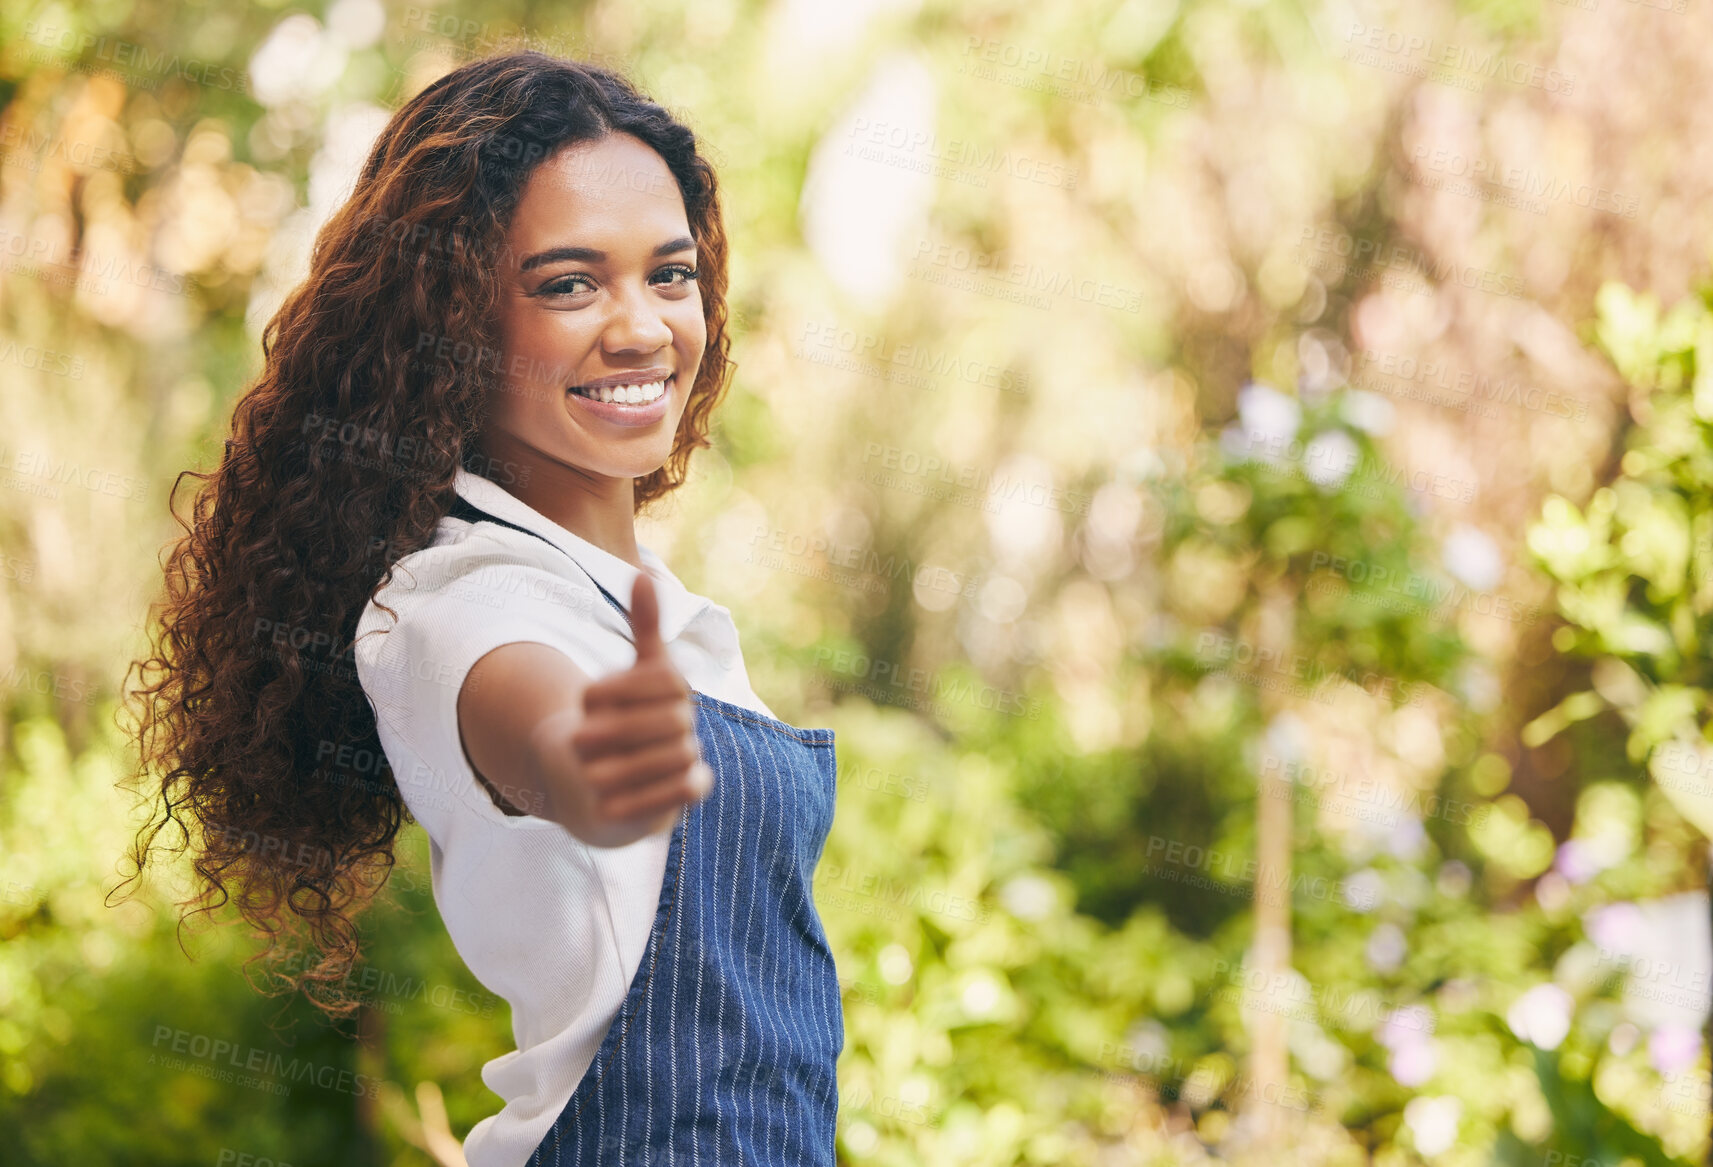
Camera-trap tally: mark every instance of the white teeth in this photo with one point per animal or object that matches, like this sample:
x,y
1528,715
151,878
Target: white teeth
x,y
625,394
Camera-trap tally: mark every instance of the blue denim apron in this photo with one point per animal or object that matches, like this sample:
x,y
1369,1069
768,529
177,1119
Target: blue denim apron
x,y
724,1049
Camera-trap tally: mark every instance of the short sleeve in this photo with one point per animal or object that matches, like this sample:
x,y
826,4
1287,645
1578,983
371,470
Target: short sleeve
x,y
413,666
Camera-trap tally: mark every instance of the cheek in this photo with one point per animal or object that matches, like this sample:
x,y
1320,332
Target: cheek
x,y
521,390
545,341
692,332
539,351
510,405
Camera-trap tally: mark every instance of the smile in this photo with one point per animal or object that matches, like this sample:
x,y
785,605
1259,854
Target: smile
x,y
632,406
645,394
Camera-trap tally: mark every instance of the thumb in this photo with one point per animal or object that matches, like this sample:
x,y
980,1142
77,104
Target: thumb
x,y
645,618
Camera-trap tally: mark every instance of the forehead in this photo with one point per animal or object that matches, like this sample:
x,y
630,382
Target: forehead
x,y
614,194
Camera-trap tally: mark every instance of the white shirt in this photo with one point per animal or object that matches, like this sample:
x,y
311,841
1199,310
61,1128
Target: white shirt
x,y
555,927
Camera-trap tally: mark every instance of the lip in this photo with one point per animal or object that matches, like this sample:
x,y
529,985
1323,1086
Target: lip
x,y
629,415
634,377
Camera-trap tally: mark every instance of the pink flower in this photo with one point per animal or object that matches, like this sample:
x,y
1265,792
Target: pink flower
x,y
1413,1062
1673,1049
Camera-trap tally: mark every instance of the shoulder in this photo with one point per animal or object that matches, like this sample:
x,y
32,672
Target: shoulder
x,y
470,591
470,569
461,554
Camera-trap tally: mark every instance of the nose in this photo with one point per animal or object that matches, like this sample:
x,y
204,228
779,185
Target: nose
x,y
635,326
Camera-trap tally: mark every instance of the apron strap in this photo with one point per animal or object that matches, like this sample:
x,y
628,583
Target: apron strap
x,y
469,512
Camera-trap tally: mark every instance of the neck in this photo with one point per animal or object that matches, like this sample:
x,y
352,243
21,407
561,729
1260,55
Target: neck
x,y
591,506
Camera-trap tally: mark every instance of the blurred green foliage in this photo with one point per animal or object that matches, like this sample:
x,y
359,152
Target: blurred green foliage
x,y
1042,901
1634,567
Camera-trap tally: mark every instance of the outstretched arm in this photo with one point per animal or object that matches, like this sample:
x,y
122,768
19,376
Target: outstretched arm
x,y
609,760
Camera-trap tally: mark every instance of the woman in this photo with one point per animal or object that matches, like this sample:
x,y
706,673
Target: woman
x,y
420,546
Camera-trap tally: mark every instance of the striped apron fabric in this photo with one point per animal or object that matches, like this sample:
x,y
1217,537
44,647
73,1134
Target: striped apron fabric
x,y
724,1050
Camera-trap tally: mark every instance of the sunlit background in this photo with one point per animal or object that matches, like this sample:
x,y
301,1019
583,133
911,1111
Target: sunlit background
x,y
1236,475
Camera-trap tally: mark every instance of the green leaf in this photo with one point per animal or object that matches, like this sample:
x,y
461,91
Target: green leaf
x,y
1574,708
1688,787
1702,386
1585,1126
1669,711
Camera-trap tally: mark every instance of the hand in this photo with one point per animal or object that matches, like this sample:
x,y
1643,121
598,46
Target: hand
x,y
636,760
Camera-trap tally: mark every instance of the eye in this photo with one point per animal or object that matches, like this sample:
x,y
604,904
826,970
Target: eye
x,y
689,273
566,285
559,286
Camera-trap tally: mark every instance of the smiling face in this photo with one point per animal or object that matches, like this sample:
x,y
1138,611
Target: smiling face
x,y
597,286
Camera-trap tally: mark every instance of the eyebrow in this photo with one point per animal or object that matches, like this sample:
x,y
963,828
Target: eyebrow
x,y
592,255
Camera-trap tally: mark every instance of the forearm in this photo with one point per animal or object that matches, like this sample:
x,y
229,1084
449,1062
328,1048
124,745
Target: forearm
x,y
609,760
546,764
516,711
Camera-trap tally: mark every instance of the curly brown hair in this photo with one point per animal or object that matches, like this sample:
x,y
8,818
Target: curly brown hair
x,y
255,740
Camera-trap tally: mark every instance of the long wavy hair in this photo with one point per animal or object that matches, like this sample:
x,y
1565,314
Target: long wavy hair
x,y
257,746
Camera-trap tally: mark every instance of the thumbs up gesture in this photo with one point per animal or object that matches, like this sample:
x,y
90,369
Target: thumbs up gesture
x,y
635,752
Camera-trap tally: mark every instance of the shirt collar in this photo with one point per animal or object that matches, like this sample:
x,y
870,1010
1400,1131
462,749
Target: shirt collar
x,y
678,605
